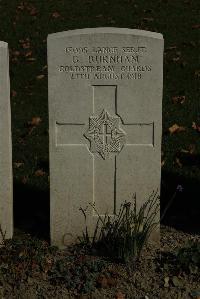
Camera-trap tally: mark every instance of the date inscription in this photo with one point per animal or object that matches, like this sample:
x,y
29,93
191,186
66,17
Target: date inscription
x,y
107,63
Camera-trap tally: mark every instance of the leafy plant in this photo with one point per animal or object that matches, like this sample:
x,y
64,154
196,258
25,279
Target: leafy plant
x,y
189,257
124,235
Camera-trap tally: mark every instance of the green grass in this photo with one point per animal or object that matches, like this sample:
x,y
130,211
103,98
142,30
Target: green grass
x,y
124,235
176,20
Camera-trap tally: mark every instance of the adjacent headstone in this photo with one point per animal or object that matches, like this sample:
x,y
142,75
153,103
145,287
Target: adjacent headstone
x,y
105,108
6,200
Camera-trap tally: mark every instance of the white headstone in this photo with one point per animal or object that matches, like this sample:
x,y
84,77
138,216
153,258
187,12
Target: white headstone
x,y
6,200
105,109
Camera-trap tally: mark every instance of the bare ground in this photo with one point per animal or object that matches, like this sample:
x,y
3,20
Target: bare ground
x,y
157,275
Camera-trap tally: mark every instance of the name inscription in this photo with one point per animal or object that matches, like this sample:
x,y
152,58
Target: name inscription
x,y
116,63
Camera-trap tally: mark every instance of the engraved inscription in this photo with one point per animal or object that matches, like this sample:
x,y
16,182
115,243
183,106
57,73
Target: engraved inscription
x,y
105,134
105,63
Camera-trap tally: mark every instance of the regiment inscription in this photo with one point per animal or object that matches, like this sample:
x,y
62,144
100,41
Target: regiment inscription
x,y
106,63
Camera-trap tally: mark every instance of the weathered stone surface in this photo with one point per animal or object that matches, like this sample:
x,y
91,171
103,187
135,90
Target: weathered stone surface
x,y
105,109
6,200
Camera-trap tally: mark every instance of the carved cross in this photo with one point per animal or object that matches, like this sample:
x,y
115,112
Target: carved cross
x,y
106,134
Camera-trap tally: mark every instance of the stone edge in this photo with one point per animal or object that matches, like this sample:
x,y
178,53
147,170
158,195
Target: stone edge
x,y
3,44
105,30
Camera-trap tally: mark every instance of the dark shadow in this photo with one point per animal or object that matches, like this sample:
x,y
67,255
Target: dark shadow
x,y
32,210
189,160
32,206
184,212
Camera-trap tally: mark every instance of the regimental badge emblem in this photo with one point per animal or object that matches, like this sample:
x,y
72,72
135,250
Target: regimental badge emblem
x,y
105,135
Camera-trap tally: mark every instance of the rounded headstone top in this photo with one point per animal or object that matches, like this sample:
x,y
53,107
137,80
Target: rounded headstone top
x,y
106,30
3,44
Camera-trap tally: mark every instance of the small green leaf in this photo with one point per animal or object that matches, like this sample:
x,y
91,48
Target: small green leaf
x,y
193,269
177,282
166,284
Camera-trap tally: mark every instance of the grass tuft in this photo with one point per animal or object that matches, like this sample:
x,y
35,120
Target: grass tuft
x,y
123,236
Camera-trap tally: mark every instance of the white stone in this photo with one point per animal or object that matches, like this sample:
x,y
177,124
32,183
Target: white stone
x,y
6,189
105,118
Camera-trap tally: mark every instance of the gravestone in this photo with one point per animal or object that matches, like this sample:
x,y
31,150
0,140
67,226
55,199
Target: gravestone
x,y
105,109
6,201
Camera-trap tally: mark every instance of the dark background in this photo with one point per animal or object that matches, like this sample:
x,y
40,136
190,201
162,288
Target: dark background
x,y
25,26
